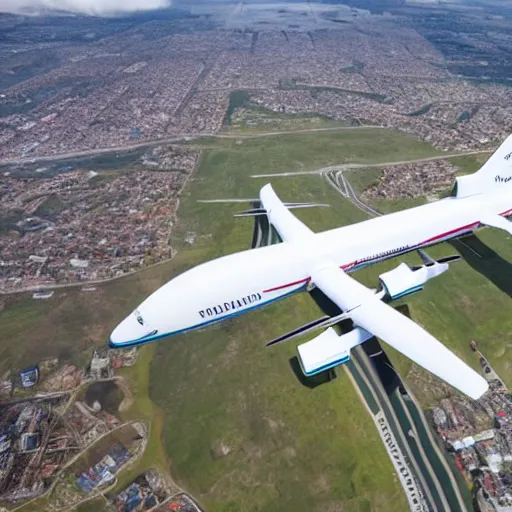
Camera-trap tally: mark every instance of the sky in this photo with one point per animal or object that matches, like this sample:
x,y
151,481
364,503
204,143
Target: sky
x,y
93,7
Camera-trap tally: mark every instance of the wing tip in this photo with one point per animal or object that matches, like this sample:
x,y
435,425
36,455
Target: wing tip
x,y
477,388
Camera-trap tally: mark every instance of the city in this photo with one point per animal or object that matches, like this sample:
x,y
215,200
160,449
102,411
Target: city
x,y
122,92
82,225
61,443
113,134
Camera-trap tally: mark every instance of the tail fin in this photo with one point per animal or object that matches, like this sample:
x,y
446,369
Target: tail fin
x,y
494,173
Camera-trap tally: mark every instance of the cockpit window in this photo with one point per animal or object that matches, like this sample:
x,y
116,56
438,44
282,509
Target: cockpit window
x,y
139,317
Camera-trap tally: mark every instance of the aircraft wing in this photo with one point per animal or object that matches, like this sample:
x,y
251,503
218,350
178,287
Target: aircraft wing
x,y
497,221
288,226
371,314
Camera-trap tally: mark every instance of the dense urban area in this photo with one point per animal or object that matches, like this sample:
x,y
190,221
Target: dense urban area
x,y
61,438
103,124
171,81
81,225
478,433
135,87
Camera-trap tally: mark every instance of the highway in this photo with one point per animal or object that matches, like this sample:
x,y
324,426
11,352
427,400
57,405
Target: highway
x,y
342,185
173,140
238,136
425,476
350,167
419,494
406,410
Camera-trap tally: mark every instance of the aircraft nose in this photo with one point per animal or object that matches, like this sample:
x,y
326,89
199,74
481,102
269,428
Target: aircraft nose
x,y
134,329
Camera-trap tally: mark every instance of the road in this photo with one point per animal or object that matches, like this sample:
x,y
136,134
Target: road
x,y
173,140
349,167
406,411
342,185
419,496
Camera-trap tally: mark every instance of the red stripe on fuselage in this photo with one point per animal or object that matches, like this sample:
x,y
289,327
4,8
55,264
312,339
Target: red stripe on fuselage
x,y
287,285
430,240
452,232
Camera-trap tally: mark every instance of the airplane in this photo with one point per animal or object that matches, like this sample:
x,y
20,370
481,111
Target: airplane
x,y
303,260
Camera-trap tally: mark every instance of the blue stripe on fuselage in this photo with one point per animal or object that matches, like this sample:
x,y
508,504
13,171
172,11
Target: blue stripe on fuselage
x,y
142,341
147,339
325,367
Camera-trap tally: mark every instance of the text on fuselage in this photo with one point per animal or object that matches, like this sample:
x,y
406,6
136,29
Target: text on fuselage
x,y
501,179
232,305
383,254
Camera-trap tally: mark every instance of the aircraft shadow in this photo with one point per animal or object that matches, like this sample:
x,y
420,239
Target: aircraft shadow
x,y
484,260
313,381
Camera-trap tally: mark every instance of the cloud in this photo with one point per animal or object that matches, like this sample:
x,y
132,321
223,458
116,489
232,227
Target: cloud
x,y
92,7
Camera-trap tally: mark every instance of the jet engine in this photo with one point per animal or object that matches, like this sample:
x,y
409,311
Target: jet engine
x,y
329,350
404,280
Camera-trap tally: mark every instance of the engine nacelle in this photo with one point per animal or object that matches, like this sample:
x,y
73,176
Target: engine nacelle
x,y
329,350
403,280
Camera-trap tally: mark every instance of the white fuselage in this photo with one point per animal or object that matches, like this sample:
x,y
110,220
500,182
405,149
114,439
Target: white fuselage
x,y
239,282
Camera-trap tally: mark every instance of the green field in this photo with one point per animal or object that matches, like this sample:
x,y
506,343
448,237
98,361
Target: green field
x,y
253,120
290,447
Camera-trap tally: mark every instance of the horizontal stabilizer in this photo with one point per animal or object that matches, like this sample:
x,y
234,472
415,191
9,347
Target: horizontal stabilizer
x,y
496,221
229,201
429,261
300,330
291,206
449,259
319,323
253,212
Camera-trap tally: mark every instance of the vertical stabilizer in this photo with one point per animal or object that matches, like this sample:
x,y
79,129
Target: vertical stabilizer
x,y
496,172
